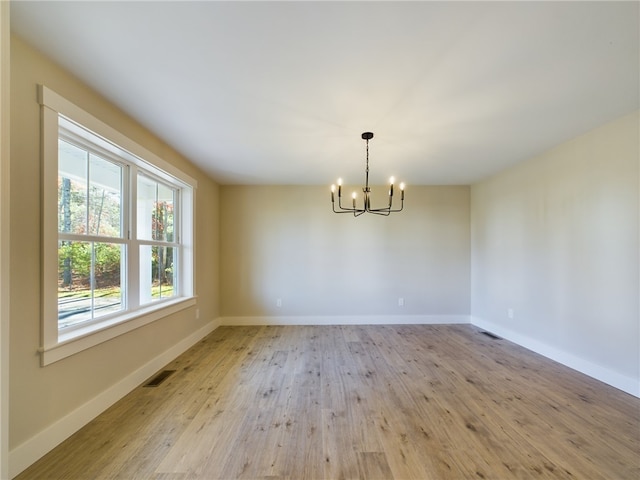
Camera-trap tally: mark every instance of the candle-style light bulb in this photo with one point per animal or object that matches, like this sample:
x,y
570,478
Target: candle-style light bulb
x,y
353,196
339,187
333,189
392,180
402,191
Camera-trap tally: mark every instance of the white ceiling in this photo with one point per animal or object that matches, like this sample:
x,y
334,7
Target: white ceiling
x,y
279,92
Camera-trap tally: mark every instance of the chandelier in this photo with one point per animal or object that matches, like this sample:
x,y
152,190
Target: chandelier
x,y
386,211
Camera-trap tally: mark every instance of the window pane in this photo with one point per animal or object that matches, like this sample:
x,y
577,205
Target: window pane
x,y
74,283
157,265
108,268
105,197
89,281
89,190
72,188
146,200
163,218
155,210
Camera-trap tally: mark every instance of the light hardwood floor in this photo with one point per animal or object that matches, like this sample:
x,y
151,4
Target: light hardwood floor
x,y
372,402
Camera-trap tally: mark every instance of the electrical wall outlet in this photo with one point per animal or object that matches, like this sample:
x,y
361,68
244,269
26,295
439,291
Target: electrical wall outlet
x,y
278,302
400,301
510,313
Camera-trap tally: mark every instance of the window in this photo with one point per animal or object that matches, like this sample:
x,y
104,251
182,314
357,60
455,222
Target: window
x,y
158,246
118,239
91,246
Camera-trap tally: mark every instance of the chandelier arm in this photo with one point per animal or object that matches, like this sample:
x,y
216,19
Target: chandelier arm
x,y
386,209
341,209
346,210
340,204
333,205
401,205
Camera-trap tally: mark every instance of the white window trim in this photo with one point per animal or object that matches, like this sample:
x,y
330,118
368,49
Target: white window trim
x,y
57,345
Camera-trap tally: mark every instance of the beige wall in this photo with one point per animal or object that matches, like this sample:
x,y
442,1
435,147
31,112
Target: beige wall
x,y
5,41
285,242
41,396
556,240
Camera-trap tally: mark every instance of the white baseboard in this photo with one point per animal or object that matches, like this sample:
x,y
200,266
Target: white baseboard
x,y
346,320
37,446
622,382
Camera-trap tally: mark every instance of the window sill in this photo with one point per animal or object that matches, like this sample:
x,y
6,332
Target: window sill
x,y
83,338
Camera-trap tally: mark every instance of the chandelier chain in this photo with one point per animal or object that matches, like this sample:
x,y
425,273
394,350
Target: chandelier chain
x,y
367,170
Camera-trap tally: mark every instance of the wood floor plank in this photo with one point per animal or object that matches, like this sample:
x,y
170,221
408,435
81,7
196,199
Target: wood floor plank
x,y
340,450
354,401
305,457
374,466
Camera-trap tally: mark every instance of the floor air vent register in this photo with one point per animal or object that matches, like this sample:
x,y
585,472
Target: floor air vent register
x,y
159,378
491,335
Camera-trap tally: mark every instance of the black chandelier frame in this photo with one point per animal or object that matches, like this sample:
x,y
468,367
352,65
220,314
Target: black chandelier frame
x,y
385,211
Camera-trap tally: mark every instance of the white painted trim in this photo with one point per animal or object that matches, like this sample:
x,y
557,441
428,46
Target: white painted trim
x,y
5,154
626,384
346,320
82,339
49,219
37,446
54,344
